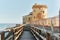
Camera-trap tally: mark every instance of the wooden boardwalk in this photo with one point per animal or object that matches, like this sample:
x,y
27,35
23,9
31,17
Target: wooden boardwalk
x,y
27,36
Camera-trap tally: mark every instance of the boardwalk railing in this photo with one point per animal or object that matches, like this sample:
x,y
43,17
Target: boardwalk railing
x,y
11,33
39,34
46,29
44,34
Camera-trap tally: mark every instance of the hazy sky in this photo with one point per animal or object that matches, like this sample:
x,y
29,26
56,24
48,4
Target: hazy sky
x,y
11,11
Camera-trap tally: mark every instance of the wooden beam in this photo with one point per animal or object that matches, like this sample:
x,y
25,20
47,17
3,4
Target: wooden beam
x,y
2,36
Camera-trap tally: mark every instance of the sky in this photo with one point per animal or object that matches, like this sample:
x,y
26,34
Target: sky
x,y
12,11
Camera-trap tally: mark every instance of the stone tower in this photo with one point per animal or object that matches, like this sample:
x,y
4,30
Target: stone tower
x,y
39,11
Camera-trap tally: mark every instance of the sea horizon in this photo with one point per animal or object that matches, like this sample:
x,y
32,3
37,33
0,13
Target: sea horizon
x,y
6,25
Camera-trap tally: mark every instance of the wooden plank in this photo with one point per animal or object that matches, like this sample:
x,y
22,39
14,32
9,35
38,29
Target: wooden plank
x,y
2,36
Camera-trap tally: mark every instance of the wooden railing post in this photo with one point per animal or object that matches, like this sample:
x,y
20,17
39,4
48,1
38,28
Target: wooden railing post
x,y
2,36
13,35
12,30
48,36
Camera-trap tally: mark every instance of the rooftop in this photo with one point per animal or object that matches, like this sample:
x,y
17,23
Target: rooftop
x,y
39,6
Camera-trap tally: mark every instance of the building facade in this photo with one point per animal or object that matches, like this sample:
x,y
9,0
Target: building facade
x,y
39,16
39,12
27,19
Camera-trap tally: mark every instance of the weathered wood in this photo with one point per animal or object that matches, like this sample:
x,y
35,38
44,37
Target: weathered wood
x,y
48,36
2,36
15,32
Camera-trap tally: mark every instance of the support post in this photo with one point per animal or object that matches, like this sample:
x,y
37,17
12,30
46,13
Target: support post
x,y
13,34
2,36
48,36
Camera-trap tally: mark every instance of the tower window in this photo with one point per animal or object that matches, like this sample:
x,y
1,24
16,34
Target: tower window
x,y
29,19
34,16
34,10
43,11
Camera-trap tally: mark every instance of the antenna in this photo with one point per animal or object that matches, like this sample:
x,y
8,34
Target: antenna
x,y
59,20
59,12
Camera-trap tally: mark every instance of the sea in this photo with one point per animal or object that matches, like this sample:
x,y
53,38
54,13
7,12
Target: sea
x,y
6,25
